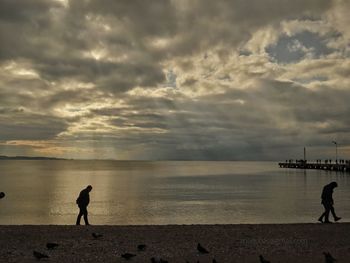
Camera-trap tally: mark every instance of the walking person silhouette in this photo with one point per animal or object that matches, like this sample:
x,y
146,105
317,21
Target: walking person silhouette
x,y
327,201
83,201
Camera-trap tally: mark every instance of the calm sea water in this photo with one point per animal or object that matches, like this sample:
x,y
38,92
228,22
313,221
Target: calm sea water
x,y
44,192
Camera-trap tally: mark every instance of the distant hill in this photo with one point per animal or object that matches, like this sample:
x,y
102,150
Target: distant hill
x,y
3,157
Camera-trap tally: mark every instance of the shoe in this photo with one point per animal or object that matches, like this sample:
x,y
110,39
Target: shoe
x,y
337,218
320,220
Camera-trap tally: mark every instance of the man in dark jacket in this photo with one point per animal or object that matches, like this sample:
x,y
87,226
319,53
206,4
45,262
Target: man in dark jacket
x,y
83,201
327,201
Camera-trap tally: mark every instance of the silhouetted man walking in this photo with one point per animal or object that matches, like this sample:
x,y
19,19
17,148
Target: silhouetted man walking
x,y
83,201
327,201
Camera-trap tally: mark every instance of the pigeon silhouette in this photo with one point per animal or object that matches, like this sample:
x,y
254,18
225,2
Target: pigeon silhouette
x,y
39,255
128,256
141,247
329,258
158,260
201,249
262,260
97,236
51,245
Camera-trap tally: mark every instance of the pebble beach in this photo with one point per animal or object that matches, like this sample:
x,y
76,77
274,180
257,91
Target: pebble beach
x,y
177,243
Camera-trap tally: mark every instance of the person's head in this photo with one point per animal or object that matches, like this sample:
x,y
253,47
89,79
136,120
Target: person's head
x,y
2,195
89,187
334,184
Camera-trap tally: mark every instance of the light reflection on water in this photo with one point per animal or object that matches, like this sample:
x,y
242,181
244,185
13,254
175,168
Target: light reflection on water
x,y
44,192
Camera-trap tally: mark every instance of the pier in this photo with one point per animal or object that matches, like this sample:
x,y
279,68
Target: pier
x,y
340,165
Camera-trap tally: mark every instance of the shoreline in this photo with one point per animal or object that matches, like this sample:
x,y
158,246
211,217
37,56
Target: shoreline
x,y
300,242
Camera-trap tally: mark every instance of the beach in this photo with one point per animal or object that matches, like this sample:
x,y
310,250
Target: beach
x,y
177,243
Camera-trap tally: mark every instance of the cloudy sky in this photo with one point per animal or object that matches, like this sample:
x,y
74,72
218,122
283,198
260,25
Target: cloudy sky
x,y
175,79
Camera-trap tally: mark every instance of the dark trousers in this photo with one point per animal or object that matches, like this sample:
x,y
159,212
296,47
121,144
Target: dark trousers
x,y
83,212
328,207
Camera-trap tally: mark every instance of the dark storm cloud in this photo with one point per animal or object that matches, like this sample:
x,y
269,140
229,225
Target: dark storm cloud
x,y
194,25
104,71
274,115
205,24
142,18
9,99
53,37
65,96
20,20
10,110
55,47
25,126
19,11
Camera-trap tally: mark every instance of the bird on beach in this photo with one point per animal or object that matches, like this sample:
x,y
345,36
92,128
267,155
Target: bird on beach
x,y
39,255
128,256
201,249
329,258
262,260
158,260
96,235
51,245
141,247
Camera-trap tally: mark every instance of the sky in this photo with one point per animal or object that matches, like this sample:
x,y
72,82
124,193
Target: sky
x,y
175,79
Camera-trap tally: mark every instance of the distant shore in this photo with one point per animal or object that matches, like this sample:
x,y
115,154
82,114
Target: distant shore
x,y
4,157
178,243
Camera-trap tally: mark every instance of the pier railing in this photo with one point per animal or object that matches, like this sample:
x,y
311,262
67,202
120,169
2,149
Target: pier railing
x,y
341,165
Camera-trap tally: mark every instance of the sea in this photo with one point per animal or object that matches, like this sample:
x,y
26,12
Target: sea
x,y
165,192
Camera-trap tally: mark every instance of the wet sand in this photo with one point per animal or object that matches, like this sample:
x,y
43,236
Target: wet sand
x,y
178,243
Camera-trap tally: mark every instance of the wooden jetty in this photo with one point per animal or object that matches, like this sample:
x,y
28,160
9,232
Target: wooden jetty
x,y
342,166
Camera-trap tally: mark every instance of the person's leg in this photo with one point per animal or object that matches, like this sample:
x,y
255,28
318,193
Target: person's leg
x,y
321,217
323,214
86,216
327,208
336,218
79,216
